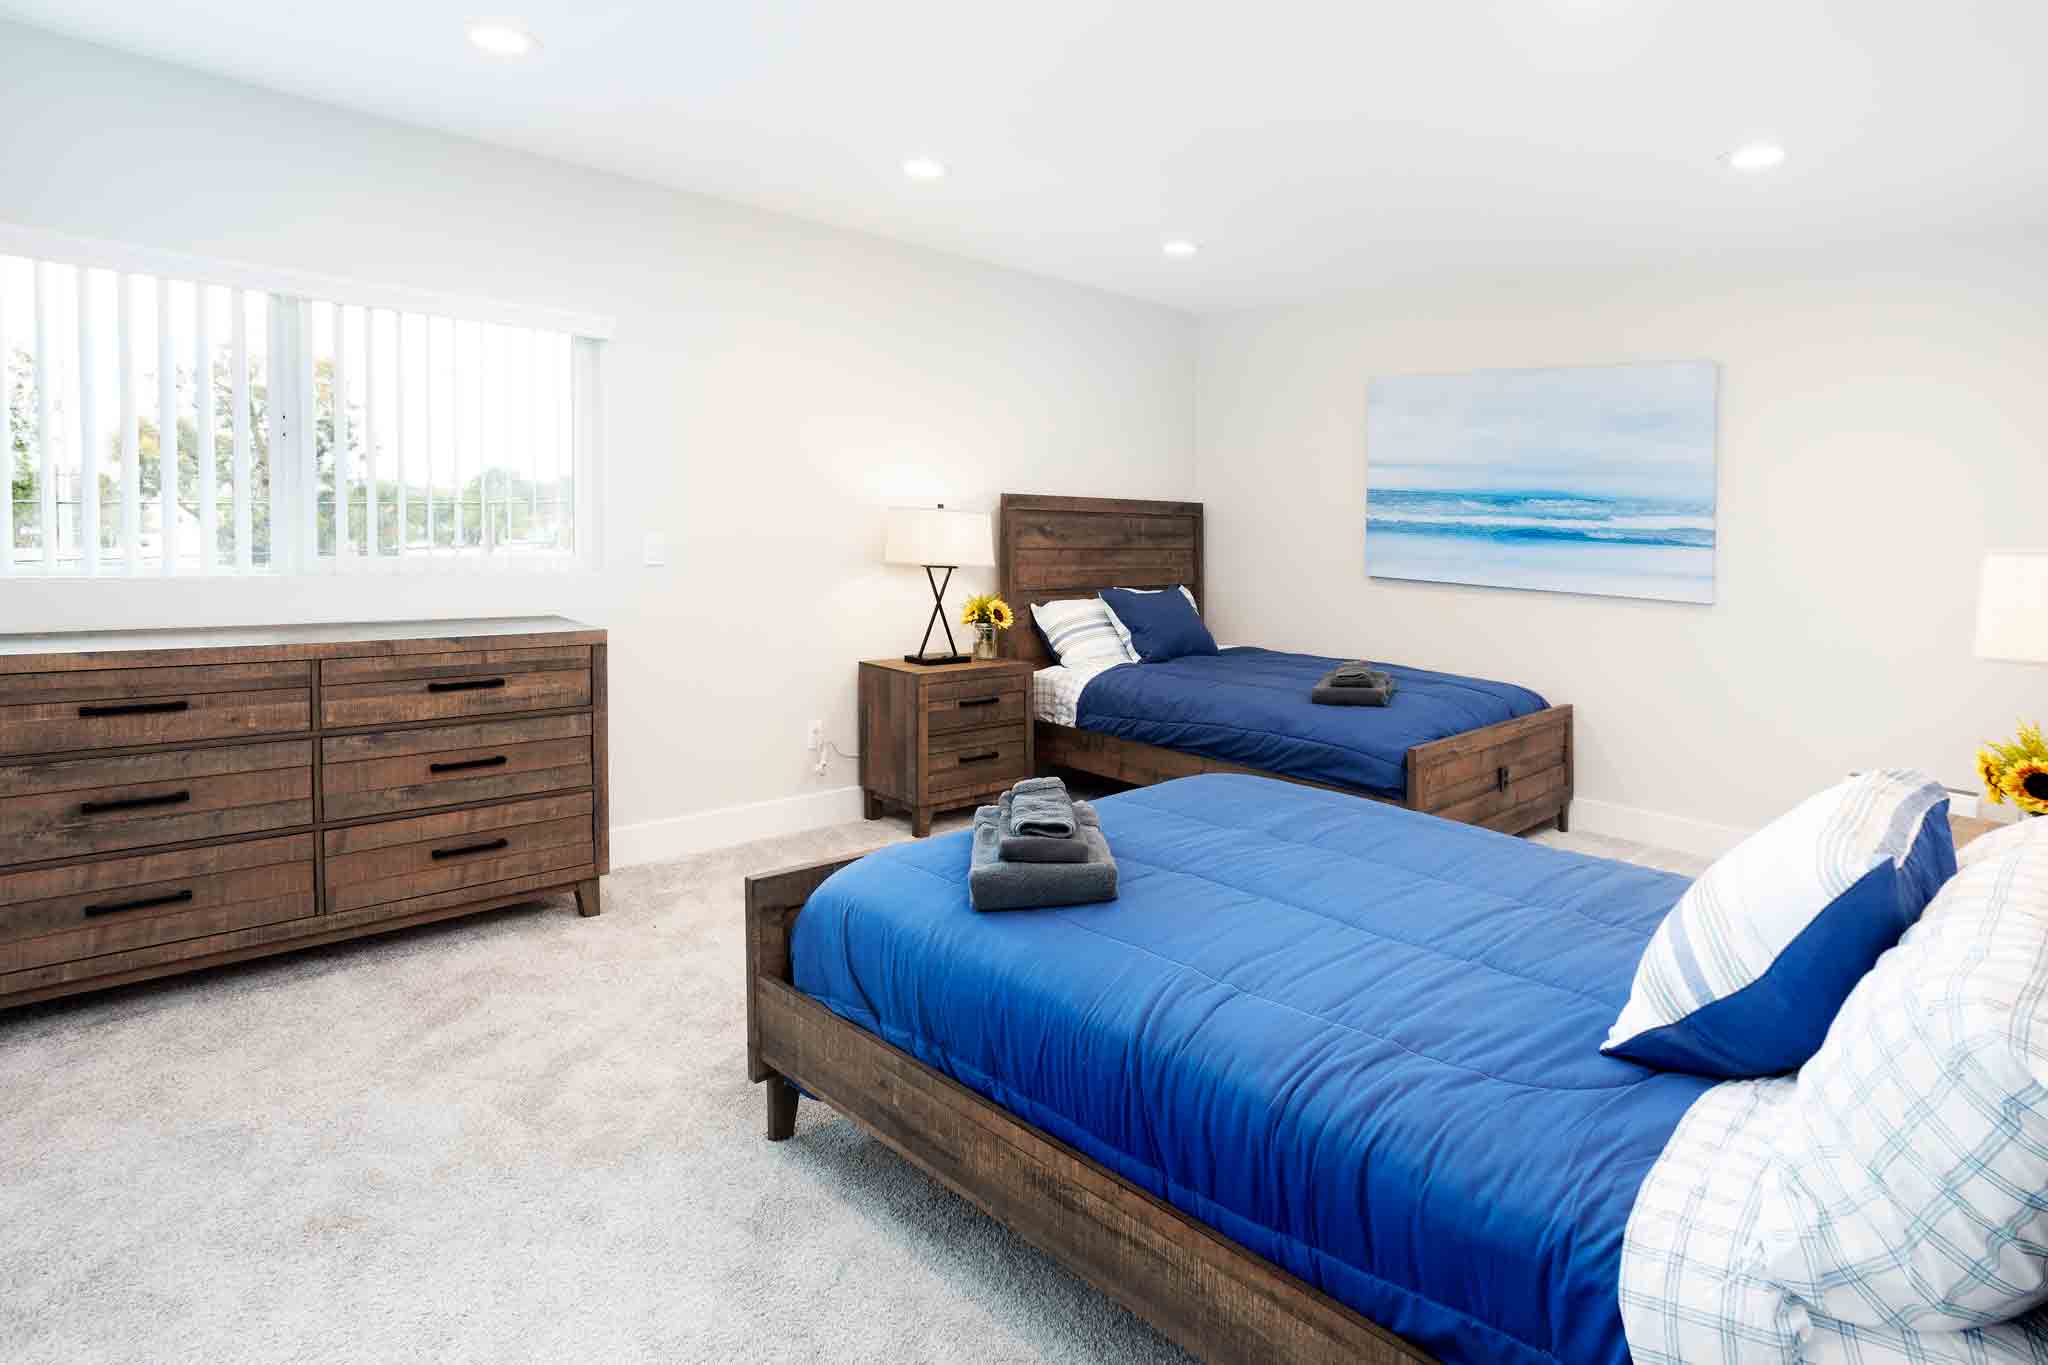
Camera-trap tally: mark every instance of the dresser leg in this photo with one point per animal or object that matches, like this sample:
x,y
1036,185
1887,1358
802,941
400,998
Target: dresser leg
x,y
870,806
781,1109
587,902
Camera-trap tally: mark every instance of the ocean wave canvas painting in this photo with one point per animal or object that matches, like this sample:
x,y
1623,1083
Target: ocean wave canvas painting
x,y
1593,479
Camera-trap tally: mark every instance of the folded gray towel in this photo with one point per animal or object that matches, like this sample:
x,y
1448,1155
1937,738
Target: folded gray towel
x,y
1038,848
994,884
1040,805
1357,673
1329,691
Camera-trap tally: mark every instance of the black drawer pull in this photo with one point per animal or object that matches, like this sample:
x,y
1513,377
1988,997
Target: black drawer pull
x,y
966,702
966,759
133,803
1501,779
491,847
466,685
134,708
146,903
464,765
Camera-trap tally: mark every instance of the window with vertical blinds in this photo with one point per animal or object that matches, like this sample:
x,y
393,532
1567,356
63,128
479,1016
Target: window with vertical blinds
x,y
165,423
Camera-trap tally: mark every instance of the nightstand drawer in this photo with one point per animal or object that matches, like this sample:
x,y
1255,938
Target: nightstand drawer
x,y
965,706
75,807
411,687
976,758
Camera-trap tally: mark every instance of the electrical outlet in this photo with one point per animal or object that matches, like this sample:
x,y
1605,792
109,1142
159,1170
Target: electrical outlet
x,y
814,738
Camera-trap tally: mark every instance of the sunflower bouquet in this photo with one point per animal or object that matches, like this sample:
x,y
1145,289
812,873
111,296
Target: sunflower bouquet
x,y
987,613
2017,771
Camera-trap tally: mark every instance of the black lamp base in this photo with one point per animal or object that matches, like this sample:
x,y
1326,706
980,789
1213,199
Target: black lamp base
x,y
953,656
934,659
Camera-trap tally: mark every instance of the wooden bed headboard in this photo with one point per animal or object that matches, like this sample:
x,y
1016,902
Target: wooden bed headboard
x,y
1052,548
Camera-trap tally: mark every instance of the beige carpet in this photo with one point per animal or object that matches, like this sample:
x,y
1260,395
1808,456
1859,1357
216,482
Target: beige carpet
x,y
520,1137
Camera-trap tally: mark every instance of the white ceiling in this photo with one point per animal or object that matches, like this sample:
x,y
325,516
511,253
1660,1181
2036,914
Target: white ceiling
x,y
1305,146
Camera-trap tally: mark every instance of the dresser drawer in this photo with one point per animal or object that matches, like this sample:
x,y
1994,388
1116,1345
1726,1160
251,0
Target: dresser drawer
x,y
67,913
447,765
968,759
124,707
396,860
968,706
413,687
75,807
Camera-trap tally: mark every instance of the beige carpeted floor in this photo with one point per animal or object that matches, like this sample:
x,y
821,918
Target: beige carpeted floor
x,y
521,1137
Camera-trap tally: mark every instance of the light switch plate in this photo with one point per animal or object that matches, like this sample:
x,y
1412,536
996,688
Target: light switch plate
x,y
654,549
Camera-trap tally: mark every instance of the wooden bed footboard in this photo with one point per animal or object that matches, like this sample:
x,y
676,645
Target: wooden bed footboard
x,y
1198,1288
1512,776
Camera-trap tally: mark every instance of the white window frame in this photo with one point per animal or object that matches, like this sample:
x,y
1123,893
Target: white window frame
x,y
294,292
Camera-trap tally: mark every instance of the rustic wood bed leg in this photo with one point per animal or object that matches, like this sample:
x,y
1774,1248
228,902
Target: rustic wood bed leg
x,y
773,902
588,899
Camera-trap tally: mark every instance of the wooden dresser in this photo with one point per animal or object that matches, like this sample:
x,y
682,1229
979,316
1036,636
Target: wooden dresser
x,y
932,738
171,800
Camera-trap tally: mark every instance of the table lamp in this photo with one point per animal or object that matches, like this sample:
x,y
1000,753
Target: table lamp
x,y
938,538
2012,607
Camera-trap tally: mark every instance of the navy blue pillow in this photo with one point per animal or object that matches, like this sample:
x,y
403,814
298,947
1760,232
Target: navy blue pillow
x,y
1162,625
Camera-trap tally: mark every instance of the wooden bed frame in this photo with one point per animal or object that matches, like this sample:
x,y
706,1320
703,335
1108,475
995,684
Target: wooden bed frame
x,y
1513,776
1207,1294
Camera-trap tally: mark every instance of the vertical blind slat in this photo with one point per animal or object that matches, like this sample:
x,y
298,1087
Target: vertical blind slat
x,y
46,462
404,526
6,436
166,431
239,391
203,430
131,443
88,435
370,431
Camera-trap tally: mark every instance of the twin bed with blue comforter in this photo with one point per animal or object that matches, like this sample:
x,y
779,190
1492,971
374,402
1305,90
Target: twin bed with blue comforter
x,y
1360,1042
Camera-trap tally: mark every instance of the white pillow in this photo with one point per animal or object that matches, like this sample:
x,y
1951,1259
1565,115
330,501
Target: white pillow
x,y
1913,1190
1131,649
1999,841
1744,975
1082,632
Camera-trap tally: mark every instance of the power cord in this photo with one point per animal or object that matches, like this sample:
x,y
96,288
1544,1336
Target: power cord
x,y
826,750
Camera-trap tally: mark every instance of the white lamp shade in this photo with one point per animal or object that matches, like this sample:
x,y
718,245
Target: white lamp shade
x,y
939,535
2012,607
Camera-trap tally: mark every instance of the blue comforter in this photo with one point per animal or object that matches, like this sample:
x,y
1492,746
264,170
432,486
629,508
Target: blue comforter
x,y
1251,706
1362,1042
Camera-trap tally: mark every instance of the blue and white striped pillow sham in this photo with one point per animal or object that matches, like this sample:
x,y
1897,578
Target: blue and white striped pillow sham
x,y
1749,968
1081,632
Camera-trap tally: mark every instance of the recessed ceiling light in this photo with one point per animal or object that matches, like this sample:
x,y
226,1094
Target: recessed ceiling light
x,y
1756,156
924,168
1179,247
502,37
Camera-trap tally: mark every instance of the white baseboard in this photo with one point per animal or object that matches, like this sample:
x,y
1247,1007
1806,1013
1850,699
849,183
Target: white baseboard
x,y
684,836
1659,828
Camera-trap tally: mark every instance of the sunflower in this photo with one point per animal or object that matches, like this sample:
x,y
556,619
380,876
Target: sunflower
x,y
1991,772
987,609
2026,782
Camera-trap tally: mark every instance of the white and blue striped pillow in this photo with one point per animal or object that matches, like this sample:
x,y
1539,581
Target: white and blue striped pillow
x,y
1912,1190
1744,975
1081,632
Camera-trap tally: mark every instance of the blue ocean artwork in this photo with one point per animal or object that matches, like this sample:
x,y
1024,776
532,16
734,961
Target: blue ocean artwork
x,y
1597,479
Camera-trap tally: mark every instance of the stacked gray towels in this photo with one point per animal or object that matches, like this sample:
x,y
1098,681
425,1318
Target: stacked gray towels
x,y
1038,848
1354,684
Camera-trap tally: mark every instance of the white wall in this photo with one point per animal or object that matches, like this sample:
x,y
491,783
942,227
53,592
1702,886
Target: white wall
x,y
772,385
1883,422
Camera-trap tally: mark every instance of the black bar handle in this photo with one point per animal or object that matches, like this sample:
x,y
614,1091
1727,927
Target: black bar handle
x,y
464,765
466,685
134,708
491,847
979,758
1501,779
133,803
977,701
146,903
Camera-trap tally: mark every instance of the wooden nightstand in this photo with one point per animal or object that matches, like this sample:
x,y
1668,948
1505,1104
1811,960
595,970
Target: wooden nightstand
x,y
1967,827
933,738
